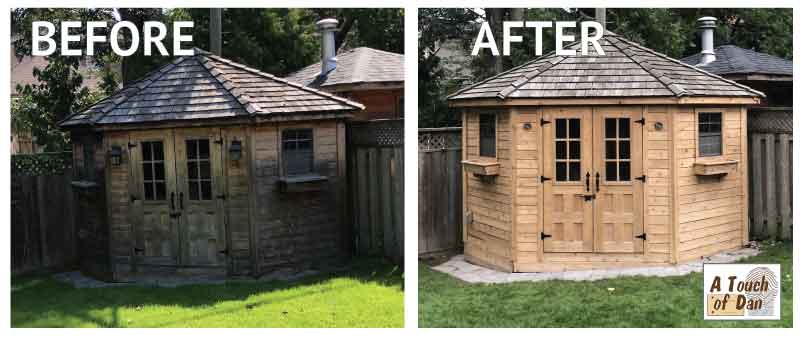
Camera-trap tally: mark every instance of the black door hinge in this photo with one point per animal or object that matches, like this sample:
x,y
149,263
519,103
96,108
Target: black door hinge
x,y
543,122
131,145
642,178
134,198
545,236
221,196
640,121
218,141
224,251
642,236
137,250
543,179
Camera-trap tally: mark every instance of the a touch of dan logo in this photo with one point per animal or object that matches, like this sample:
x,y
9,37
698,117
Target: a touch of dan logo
x,y
741,291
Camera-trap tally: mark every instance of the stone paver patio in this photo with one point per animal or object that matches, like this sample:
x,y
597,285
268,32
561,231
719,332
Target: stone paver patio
x,y
465,271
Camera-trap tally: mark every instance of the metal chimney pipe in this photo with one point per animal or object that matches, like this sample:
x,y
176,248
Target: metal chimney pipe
x,y
215,31
600,16
706,25
327,29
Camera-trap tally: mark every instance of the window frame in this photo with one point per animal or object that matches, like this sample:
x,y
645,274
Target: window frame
x,y
721,113
285,159
199,180
480,135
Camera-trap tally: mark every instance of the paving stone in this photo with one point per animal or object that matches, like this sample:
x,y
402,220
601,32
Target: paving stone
x,y
459,268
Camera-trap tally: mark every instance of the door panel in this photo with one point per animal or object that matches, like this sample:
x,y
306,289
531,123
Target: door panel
x,y
618,161
567,154
155,219
199,171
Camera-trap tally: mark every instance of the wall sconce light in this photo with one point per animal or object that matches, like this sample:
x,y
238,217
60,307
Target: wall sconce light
x,y
115,155
235,151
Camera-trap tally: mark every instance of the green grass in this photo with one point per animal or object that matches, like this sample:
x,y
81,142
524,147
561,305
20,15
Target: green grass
x,y
369,295
636,301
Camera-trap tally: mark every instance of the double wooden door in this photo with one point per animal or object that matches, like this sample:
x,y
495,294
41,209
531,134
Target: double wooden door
x,y
178,214
592,173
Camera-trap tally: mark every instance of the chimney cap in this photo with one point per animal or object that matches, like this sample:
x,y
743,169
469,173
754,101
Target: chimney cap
x,y
328,24
707,22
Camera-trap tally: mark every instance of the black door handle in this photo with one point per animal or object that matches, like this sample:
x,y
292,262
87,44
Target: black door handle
x,y
597,182
172,201
181,201
588,177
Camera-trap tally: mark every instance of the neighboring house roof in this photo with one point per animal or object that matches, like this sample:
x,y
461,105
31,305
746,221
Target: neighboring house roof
x,y
734,60
22,71
205,86
626,70
361,65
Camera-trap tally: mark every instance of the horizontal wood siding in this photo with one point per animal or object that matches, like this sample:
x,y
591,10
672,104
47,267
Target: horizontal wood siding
x,y
488,235
710,209
237,202
658,195
299,229
527,199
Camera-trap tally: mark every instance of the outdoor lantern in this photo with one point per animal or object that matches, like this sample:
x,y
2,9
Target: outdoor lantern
x,y
115,155
235,150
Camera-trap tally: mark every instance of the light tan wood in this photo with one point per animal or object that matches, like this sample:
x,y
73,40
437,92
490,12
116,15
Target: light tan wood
x,y
744,174
618,205
492,102
715,167
481,166
567,204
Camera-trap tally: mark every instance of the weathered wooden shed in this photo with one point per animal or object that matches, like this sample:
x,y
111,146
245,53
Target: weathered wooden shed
x,y
206,165
590,161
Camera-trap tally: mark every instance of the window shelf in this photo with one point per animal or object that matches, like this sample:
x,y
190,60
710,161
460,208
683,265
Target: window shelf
x,y
715,167
301,183
482,167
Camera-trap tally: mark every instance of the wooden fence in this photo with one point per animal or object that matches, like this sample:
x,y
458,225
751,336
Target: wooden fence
x,y
440,209
770,157
43,235
375,184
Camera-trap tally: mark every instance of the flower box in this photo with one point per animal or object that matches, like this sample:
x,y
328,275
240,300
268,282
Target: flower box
x,y
715,168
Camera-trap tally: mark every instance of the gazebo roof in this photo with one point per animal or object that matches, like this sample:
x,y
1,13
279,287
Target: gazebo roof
x,y
205,87
627,70
362,65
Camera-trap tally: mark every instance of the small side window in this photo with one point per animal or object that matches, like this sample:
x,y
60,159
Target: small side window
x,y
88,161
709,126
298,151
488,141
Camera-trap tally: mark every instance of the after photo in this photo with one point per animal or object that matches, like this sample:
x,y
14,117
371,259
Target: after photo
x,y
605,167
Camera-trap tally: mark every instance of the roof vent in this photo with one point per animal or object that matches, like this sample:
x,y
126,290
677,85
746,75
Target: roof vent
x,y
706,25
327,29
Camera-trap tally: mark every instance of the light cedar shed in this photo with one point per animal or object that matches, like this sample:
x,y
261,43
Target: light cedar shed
x,y
630,158
209,166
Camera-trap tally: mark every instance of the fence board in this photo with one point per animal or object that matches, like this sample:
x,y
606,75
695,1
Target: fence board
x,y
376,187
440,189
43,235
770,157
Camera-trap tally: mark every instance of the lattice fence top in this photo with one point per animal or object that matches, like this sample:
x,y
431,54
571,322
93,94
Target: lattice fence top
x,y
377,133
41,164
770,120
439,139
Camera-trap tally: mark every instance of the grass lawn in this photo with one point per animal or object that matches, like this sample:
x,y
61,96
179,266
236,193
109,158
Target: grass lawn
x,y
636,301
369,295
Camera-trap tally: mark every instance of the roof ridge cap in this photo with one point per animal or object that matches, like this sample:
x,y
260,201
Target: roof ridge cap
x,y
228,84
542,57
526,77
287,82
746,88
677,89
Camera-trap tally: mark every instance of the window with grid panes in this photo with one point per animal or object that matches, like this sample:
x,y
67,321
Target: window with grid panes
x,y
298,151
155,185
488,142
198,169
568,149
617,146
709,126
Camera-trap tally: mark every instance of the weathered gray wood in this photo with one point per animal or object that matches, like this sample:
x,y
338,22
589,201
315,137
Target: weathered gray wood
x,y
757,190
785,185
440,194
769,185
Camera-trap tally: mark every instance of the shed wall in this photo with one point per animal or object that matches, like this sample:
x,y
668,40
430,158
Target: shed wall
x,y
488,237
303,228
711,210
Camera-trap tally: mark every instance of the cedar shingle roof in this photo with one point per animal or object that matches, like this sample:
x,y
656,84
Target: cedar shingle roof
x,y
356,66
626,70
734,60
206,86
